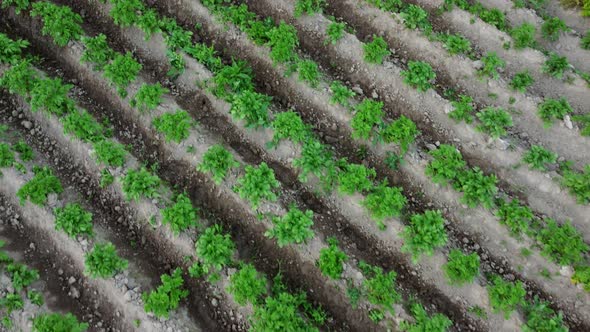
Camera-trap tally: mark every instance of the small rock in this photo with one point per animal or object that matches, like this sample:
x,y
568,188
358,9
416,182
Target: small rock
x,y
430,146
568,122
74,292
214,302
72,280
27,124
566,271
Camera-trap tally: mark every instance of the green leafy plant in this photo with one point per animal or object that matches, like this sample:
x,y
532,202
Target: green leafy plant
x,y
419,75
563,244
60,22
283,41
461,268
379,287
332,259
584,123
83,126
35,297
494,17
218,161
523,35
252,107
376,50
309,72
106,178
140,182
122,71
11,50
402,131
12,302
149,22
39,187
125,12
292,228
505,296
51,95
21,275
424,233
19,5
551,109
414,17
177,64
494,121
6,155
247,285
436,323
316,159
446,165
289,125
257,184
462,109
585,41
279,313
58,323
19,78
582,276
73,220
335,32
97,51
24,150
537,157
541,318
491,62
214,248
368,114
555,65
476,187
456,44
181,216
175,126
521,81
384,202
110,153
355,178
578,184
148,97
103,261
167,296
552,27
308,7
340,93
231,80
515,216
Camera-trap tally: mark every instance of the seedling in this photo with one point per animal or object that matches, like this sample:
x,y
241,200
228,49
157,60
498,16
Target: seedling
x,y
215,249
140,183
60,22
537,158
425,233
335,32
110,153
103,261
505,296
555,65
252,107
175,126
148,97
419,75
461,268
257,184
308,7
247,285
368,114
376,50
494,121
73,220
578,184
181,216
423,322
384,202
309,72
167,296
39,187
355,178
218,161
521,81
97,51
122,71
552,27
462,109
490,65
515,216
332,259
552,109
523,36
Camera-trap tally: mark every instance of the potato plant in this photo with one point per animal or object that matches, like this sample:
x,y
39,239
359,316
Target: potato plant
x,y
316,159
167,296
58,322
103,261
368,114
563,244
517,217
523,35
148,97
456,44
11,50
476,187
21,275
110,153
215,249
180,216
494,121
552,27
309,72
446,165
289,125
257,184
505,296
122,71
491,63
379,287
19,5
424,322
39,187
252,107
384,202
552,109
355,178
292,228
462,109
331,261
247,285
335,32
415,17
283,42
538,157
140,183
82,125
218,161
461,268
24,150
521,81
540,317
555,65
74,220
308,7
578,184
59,22
425,233
419,75
175,126
376,50
97,51
341,94
51,95
6,155
402,131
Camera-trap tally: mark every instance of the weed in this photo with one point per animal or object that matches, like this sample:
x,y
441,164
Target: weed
x,y
402,131
384,202
218,161
247,285
174,126
335,32
167,296
51,95
462,109
436,323
110,153
58,322
214,248
368,114
425,233
309,72
491,62
494,121
578,184
331,261
552,27
446,165
355,178
289,125
551,109
122,71
505,296
523,35
415,17
308,7
181,216
11,50
521,81
292,228
257,184
97,51
60,22
461,268
148,97
21,275
537,157
419,75
283,41
140,183
39,187
376,50
563,244
103,261
555,65
74,220
515,216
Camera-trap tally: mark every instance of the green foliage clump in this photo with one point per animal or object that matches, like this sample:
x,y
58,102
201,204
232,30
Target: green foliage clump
x,y
505,296
181,216
523,35
537,157
19,5
97,51
563,244
11,50
167,296
491,62
541,318
60,22
368,114
461,268
231,80
419,75
578,184
515,216
12,302
384,202
393,6
73,220
555,65
340,93
58,323
308,7
521,81
125,12
103,261
83,126
252,107
551,109
51,95
247,285
289,125
19,78
110,153
494,17
582,276
335,32
380,287
477,188
21,275
436,323
24,150
584,123
376,50
355,178
257,184
552,27
6,155
402,131
175,126
415,17
446,165
331,261
585,41
309,72
35,297
122,71
283,41
39,187
214,248
462,109
494,121
316,159
148,97
456,44
141,182
218,161
425,233
279,313
292,228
